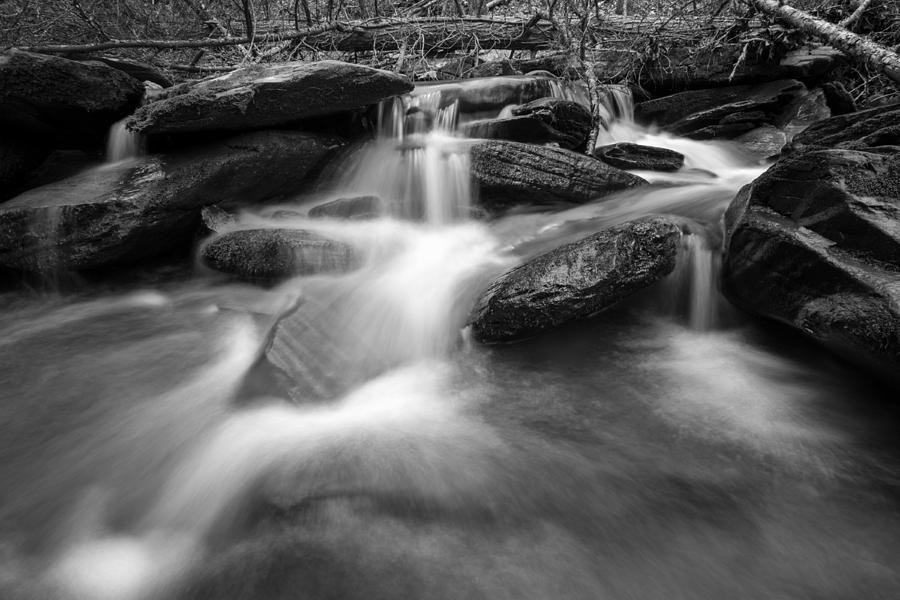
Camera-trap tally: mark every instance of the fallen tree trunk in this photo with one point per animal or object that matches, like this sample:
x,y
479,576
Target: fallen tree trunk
x,y
876,57
434,35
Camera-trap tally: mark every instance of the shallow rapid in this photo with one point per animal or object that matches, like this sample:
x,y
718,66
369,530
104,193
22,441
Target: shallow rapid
x,y
668,448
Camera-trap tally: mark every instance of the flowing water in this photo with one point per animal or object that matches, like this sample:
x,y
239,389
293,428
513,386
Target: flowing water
x,y
668,448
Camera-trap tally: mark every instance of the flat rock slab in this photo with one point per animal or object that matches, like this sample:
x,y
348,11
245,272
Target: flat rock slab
x,y
625,155
576,280
878,126
720,112
815,243
513,174
136,209
267,95
269,255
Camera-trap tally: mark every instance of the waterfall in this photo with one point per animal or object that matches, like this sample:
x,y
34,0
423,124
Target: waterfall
x,y
122,143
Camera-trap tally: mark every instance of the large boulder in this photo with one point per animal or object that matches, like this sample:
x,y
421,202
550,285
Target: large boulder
x,y
136,209
576,280
720,112
62,102
511,173
493,93
267,95
18,156
878,126
626,155
269,255
543,121
815,243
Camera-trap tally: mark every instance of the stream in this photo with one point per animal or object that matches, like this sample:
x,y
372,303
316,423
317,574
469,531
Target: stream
x,y
669,448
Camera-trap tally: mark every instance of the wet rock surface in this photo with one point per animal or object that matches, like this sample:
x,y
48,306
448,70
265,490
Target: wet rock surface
x,y
357,207
815,243
625,155
266,96
140,208
878,126
512,174
268,255
576,280
720,112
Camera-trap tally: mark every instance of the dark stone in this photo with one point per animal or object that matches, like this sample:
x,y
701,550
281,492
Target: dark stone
x,y
359,207
815,243
763,142
510,174
493,93
864,129
576,280
810,108
267,95
117,214
18,157
720,112
542,121
57,102
269,255
139,70
494,68
839,99
625,155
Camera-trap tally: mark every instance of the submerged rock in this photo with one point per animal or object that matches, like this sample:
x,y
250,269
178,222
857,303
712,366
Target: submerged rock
x,y
815,243
763,142
720,112
576,280
357,207
141,208
267,95
625,155
269,255
511,174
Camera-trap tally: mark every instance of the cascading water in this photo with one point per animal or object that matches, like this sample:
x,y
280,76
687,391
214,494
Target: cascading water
x,y
122,144
648,453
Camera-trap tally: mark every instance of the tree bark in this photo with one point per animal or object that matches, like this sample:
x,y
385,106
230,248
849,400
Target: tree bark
x,y
876,57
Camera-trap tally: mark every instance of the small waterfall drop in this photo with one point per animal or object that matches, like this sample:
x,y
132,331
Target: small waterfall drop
x,y
122,143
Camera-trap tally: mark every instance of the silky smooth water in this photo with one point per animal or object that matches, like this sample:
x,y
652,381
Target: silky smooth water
x,y
667,448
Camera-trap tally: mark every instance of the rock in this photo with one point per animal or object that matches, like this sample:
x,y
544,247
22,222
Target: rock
x,y
216,219
803,112
511,173
764,142
815,243
721,112
139,70
272,254
358,207
864,129
18,157
493,93
576,280
125,212
543,121
494,68
267,95
839,99
60,102
625,155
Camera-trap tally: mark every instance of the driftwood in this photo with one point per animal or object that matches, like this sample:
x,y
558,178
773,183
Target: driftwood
x,y
432,35
864,51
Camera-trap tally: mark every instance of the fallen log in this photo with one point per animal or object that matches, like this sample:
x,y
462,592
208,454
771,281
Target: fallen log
x,y
864,51
434,35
